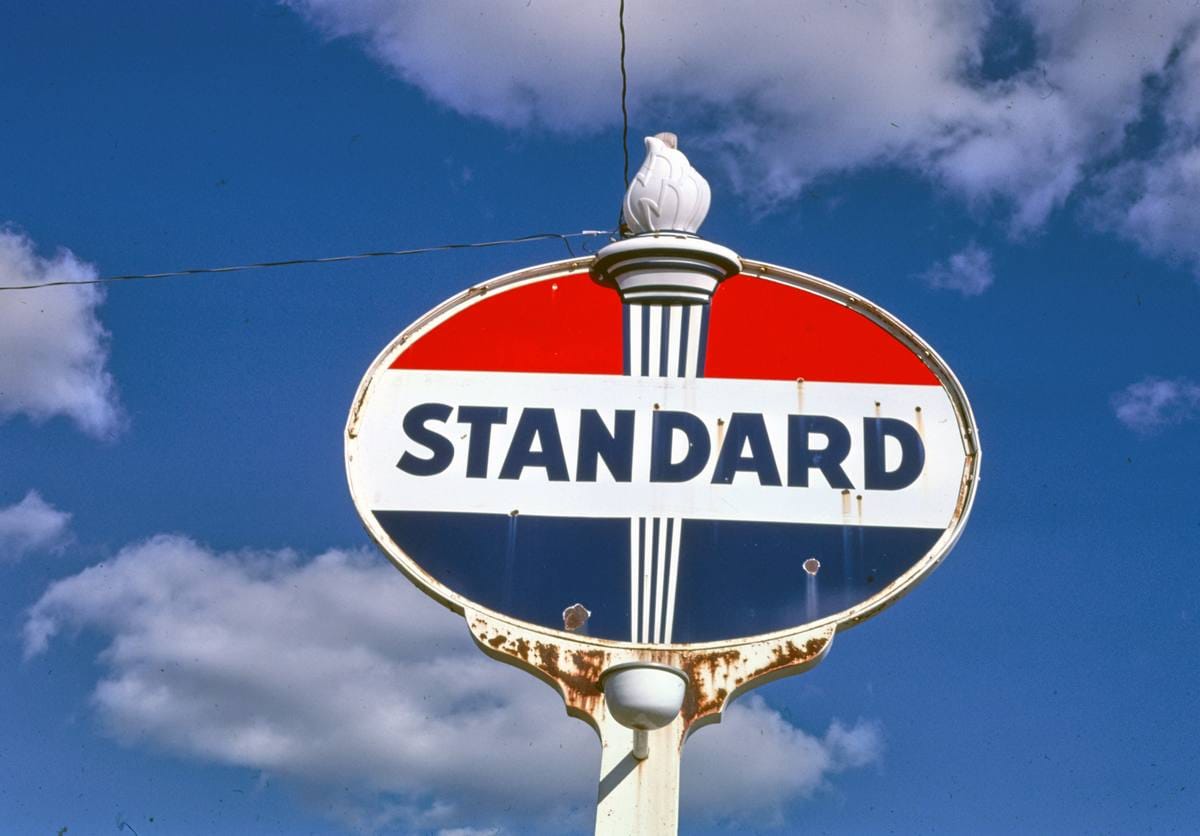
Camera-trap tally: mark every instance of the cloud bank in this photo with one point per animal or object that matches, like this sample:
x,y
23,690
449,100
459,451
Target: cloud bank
x,y
54,350
968,271
31,525
335,672
1021,105
1153,404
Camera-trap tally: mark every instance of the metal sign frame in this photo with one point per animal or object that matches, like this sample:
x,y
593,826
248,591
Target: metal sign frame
x,y
840,620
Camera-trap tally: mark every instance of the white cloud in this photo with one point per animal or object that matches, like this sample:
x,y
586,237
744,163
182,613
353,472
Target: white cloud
x,y
1157,204
31,525
54,349
968,271
1153,403
335,672
1155,201
755,752
782,93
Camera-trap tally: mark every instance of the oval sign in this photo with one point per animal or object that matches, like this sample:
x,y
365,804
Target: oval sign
x,y
785,456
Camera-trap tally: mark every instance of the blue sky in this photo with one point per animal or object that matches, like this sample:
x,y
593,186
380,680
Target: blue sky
x,y
197,636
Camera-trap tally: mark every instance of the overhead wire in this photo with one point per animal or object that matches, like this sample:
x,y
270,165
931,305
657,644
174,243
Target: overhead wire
x,y
624,90
290,262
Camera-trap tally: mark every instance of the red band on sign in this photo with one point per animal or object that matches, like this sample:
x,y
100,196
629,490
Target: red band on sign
x,y
758,330
568,325
764,330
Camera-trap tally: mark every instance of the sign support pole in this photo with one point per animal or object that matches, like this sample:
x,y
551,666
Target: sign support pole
x,y
638,796
642,795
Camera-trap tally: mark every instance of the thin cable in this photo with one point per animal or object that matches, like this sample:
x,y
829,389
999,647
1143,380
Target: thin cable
x,y
262,265
624,90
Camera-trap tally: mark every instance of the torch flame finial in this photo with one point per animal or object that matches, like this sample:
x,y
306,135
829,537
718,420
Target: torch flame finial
x,y
659,259
667,194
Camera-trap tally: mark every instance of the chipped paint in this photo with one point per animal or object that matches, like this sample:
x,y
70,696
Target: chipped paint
x,y
715,676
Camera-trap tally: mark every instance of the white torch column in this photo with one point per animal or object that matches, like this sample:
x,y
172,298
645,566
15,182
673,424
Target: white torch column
x,y
667,275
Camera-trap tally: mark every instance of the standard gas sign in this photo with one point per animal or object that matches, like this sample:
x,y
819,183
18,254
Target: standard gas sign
x,y
662,473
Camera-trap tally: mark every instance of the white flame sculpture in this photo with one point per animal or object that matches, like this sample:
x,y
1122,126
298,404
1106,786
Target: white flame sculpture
x,y
664,262
667,195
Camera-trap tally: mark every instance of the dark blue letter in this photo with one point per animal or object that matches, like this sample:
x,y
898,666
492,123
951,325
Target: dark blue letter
x,y
441,449
539,425
662,434
802,458
481,419
912,454
746,427
596,442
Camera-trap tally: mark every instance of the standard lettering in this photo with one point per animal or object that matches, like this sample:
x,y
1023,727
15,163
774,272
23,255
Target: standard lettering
x,y
681,448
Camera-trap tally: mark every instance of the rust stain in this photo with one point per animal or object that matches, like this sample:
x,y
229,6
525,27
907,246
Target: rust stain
x,y
920,422
705,671
579,675
500,640
589,663
710,674
583,685
961,505
845,502
352,429
789,654
575,617
547,656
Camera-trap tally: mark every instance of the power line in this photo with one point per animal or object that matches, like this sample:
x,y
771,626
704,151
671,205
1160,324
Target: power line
x,y
262,265
624,89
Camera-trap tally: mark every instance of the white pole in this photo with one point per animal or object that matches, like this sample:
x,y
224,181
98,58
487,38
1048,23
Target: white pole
x,y
638,795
